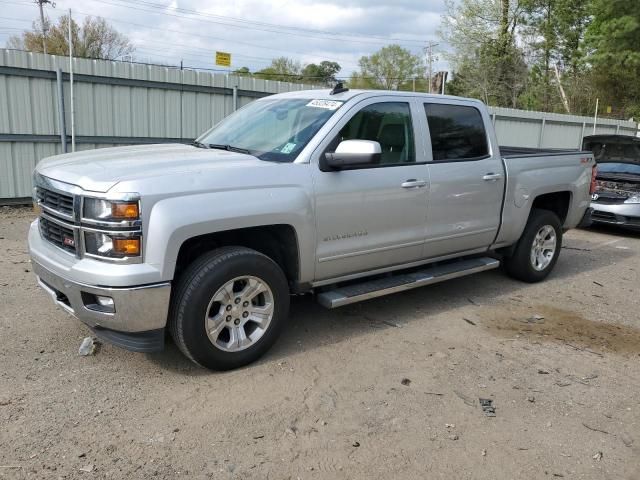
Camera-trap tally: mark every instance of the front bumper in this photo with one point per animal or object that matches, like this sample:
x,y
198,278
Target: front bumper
x,y
140,305
139,317
624,215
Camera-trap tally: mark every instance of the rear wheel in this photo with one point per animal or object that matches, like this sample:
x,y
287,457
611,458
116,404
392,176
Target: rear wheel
x,y
229,308
537,251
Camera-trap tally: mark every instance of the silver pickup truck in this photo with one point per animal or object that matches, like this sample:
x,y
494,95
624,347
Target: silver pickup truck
x,y
347,195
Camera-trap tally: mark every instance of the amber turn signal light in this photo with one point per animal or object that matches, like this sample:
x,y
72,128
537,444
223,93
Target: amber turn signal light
x,y
126,246
125,211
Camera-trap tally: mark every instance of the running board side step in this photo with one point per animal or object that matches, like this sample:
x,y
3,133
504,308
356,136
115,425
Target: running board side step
x,y
401,282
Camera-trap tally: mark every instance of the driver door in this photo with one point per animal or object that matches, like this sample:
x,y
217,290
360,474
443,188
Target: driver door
x,y
372,217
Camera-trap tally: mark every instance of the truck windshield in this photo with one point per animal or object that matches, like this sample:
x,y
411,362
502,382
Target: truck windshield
x,y
271,129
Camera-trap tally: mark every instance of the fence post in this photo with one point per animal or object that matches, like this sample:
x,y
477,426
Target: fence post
x,y
61,120
235,98
540,138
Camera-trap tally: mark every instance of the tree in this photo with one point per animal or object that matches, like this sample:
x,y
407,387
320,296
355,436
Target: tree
x,y
242,72
282,69
324,73
387,69
490,74
554,30
613,43
95,39
486,59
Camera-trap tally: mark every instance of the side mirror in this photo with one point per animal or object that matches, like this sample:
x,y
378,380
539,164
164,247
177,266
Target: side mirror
x,y
353,154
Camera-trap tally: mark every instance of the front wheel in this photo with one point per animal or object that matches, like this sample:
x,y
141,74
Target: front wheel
x,y
537,251
229,308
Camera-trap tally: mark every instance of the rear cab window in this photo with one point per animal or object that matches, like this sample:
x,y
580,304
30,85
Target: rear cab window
x,y
457,132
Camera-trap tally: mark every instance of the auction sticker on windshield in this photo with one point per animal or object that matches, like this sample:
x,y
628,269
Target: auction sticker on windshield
x,y
328,104
288,148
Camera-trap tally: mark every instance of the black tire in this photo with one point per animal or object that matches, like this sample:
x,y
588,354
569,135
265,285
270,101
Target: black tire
x,y
195,289
519,264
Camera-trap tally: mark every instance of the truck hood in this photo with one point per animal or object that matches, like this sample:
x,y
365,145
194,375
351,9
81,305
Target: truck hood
x,y
99,170
614,148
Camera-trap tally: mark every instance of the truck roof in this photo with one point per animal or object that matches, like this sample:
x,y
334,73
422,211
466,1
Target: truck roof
x,y
325,94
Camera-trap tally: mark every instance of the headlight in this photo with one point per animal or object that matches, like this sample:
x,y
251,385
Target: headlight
x,y
633,199
112,245
111,211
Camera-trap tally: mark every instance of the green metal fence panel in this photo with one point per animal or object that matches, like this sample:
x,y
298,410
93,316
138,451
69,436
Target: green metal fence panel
x,y
116,103
119,103
551,130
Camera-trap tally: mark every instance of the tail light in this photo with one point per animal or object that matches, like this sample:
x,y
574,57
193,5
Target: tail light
x,y
594,174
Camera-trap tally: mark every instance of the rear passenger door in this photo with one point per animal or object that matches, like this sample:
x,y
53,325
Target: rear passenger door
x,y
467,180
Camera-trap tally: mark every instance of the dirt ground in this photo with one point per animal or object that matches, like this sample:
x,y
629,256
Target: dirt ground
x,y
386,389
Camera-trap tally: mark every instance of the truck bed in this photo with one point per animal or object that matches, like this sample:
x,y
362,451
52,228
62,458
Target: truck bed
x,y
511,152
532,173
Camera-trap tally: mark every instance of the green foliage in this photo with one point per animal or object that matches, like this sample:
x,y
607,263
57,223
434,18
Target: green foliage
x,y
389,68
94,39
288,70
282,69
324,73
242,72
613,41
551,55
486,60
495,73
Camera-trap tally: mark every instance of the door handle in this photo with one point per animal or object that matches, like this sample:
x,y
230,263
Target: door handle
x,y
492,177
413,183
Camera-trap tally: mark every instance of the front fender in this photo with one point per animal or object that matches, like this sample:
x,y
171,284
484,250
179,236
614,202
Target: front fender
x,y
174,220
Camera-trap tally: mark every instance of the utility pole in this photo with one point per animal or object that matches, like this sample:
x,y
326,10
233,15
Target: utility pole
x,y
430,59
41,4
71,102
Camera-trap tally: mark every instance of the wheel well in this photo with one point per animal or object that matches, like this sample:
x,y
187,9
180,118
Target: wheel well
x,y
557,202
278,242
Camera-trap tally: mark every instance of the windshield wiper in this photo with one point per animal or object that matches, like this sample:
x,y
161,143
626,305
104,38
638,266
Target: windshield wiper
x,y
229,148
198,144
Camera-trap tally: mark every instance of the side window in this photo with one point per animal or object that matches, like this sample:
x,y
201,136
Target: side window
x,y
457,132
387,123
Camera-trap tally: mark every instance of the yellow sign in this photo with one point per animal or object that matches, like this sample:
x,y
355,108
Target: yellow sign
x,y
223,59
609,109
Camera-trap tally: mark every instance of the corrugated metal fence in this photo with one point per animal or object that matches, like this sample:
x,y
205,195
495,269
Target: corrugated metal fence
x,y
116,103
119,103
521,128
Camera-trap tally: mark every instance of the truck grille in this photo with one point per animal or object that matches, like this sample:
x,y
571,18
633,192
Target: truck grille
x,y
55,201
60,235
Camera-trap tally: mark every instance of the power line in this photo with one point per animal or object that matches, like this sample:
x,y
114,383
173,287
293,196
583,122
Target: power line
x,y
209,51
258,75
342,59
253,25
209,37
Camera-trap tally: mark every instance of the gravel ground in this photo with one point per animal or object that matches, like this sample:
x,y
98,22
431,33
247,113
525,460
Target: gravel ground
x,y
385,389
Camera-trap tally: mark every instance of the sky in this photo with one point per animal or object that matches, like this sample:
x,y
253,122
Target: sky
x,y
253,31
